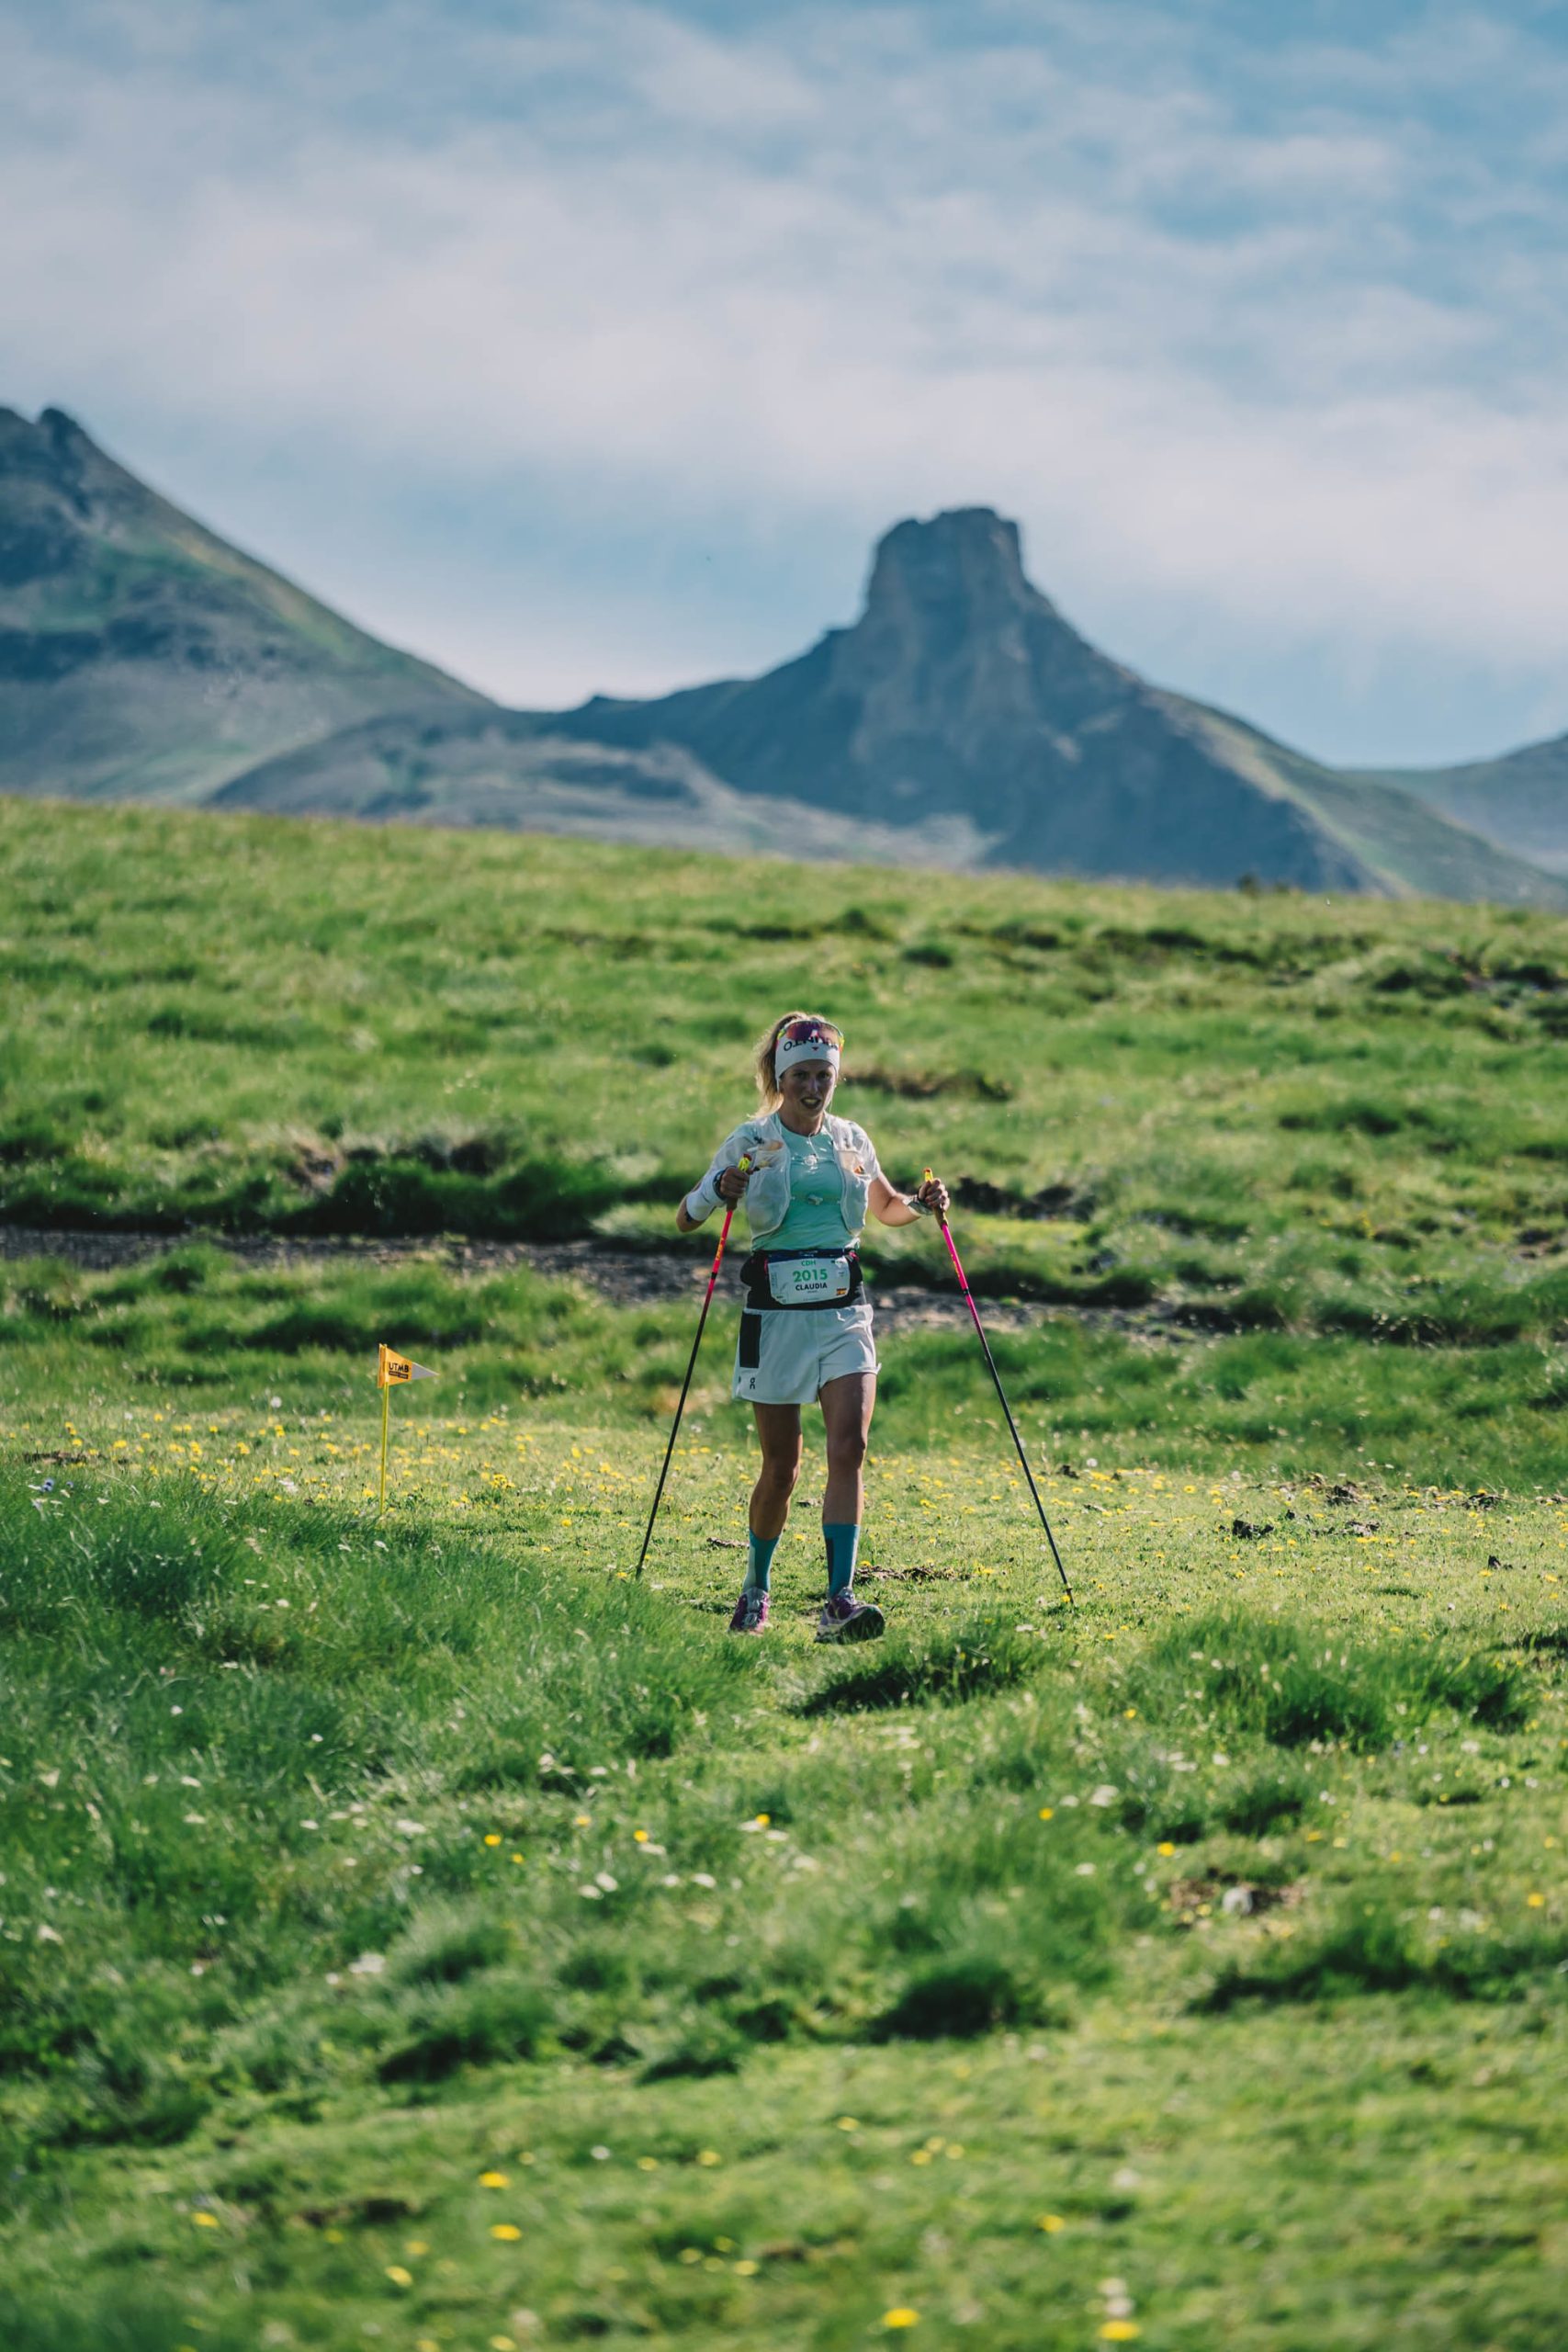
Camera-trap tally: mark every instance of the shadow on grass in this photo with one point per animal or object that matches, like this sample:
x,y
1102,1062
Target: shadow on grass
x,y
973,1660
957,1999
1375,1952
500,2016
1546,1641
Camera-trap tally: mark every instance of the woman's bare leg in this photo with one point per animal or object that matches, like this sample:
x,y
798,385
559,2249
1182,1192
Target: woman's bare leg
x,y
778,1429
847,1405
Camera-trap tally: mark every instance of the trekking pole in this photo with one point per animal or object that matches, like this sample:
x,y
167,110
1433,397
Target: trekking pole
x,y
743,1167
1001,1393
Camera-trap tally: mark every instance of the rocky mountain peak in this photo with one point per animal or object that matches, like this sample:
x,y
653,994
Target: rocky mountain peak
x,y
40,451
967,562
955,641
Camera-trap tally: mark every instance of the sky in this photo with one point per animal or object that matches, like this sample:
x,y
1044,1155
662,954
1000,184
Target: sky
x,y
590,345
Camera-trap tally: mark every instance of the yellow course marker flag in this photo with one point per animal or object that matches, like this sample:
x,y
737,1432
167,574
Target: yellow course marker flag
x,y
391,1368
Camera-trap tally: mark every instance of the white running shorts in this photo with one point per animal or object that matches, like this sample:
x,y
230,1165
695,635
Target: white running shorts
x,y
784,1355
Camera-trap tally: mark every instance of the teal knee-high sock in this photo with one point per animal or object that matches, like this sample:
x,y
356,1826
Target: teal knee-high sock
x,y
843,1539
759,1561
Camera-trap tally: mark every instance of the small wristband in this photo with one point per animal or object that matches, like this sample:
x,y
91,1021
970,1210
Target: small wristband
x,y
921,1208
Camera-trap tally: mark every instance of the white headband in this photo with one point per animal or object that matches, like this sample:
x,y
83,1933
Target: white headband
x,y
815,1046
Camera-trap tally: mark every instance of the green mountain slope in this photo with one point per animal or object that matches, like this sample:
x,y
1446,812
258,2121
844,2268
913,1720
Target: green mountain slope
x,y
1521,801
511,772
140,656
1411,849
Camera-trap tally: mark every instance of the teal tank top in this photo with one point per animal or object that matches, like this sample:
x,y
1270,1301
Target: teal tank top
x,y
816,1217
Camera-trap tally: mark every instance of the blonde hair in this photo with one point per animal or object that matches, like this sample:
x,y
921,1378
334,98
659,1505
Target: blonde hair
x,y
767,1076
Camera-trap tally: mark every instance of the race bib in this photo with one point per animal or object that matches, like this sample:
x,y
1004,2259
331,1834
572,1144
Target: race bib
x,y
808,1282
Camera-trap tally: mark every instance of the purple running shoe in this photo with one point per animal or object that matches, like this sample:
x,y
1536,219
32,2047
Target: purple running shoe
x,y
751,1612
845,1618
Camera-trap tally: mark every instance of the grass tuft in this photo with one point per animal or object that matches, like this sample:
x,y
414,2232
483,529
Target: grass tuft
x,y
1295,1683
502,2016
955,1999
944,1670
1371,1949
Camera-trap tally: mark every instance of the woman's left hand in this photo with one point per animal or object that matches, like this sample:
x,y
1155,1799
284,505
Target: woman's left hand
x,y
933,1193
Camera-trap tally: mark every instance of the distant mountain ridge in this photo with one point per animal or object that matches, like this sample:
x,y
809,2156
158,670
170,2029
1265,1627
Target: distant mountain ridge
x,y
959,720
1519,801
962,688
144,658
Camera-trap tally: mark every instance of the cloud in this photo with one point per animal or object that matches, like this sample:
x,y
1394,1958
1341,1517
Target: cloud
x,y
1253,326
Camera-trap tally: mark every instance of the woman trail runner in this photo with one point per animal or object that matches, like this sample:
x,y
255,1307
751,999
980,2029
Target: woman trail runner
x,y
806,1325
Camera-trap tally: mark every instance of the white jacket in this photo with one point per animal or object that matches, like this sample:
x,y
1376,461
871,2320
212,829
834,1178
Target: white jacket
x,y
767,1193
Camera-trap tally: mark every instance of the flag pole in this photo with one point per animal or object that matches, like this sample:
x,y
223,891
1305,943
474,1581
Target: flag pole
x,y
391,1368
386,1388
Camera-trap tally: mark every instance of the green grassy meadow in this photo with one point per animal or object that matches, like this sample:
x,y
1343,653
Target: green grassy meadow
x,y
414,1932
1252,1113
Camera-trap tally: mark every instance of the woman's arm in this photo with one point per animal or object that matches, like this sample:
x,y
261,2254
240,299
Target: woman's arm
x,y
726,1185
890,1207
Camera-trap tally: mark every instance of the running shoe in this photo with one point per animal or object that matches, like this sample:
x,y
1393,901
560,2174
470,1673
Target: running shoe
x,y
845,1618
751,1612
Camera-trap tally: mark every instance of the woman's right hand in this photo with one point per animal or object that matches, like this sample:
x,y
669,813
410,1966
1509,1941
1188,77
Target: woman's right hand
x,y
733,1182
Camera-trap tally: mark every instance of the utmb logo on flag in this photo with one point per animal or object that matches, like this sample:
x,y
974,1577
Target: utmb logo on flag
x,y
391,1368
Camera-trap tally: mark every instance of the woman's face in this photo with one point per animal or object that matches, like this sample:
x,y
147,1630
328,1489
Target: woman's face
x,y
807,1089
